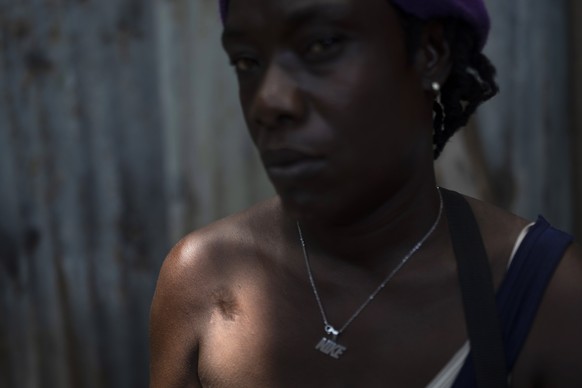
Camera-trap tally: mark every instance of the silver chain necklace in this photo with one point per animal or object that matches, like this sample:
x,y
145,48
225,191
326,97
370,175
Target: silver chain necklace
x,y
330,346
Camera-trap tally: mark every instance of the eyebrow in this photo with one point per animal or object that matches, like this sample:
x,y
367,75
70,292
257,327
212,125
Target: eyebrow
x,y
302,15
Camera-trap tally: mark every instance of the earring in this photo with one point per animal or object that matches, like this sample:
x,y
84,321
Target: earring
x,y
436,87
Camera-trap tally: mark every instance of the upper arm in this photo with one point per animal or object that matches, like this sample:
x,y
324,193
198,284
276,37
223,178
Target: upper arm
x,y
553,352
177,319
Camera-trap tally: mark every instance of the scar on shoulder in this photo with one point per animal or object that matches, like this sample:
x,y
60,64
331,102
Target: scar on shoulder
x,y
226,303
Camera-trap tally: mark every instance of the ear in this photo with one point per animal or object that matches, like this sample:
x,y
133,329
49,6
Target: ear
x,y
433,58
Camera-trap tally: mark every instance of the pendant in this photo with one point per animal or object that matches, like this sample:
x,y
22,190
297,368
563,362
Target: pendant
x,y
331,348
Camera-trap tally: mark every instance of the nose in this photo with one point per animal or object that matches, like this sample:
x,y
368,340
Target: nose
x,y
278,100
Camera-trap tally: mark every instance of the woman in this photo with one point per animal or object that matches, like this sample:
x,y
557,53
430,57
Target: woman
x,y
348,277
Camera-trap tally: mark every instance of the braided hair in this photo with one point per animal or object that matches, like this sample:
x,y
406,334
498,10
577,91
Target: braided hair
x,y
470,83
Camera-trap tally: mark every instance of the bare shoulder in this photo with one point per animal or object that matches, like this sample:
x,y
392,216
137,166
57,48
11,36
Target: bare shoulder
x,y
194,280
552,353
500,230
204,254
203,257
496,223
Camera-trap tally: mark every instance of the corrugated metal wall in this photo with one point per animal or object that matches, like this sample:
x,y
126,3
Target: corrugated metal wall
x,y
575,106
517,153
120,131
83,205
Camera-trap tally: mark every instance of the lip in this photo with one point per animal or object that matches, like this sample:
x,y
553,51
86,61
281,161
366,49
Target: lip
x,y
289,163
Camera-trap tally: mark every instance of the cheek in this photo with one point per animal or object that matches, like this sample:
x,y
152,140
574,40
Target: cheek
x,y
353,84
245,101
374,103
375,118
366,88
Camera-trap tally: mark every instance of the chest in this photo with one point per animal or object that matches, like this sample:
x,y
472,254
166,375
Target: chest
x,y
277,338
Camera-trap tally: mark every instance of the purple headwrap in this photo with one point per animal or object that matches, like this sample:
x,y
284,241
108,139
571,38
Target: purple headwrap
x,y
473,12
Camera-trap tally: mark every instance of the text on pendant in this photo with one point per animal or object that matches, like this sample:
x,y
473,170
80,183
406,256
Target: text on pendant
x,y
329,347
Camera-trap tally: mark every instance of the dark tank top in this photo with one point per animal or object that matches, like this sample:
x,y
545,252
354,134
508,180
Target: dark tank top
x,y
521,291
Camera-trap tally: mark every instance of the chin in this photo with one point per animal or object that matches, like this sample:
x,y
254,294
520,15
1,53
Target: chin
x,y
303,205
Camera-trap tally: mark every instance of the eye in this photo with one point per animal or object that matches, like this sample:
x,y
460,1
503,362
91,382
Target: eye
x,y
244,64
324,48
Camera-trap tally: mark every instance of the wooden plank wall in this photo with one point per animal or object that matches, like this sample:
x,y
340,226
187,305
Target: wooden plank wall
x,y
120,131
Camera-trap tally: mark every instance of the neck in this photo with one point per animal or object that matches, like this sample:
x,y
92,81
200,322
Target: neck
x,y
383,235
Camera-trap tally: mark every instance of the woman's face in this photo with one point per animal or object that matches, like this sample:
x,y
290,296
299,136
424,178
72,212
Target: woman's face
x,y
332,100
